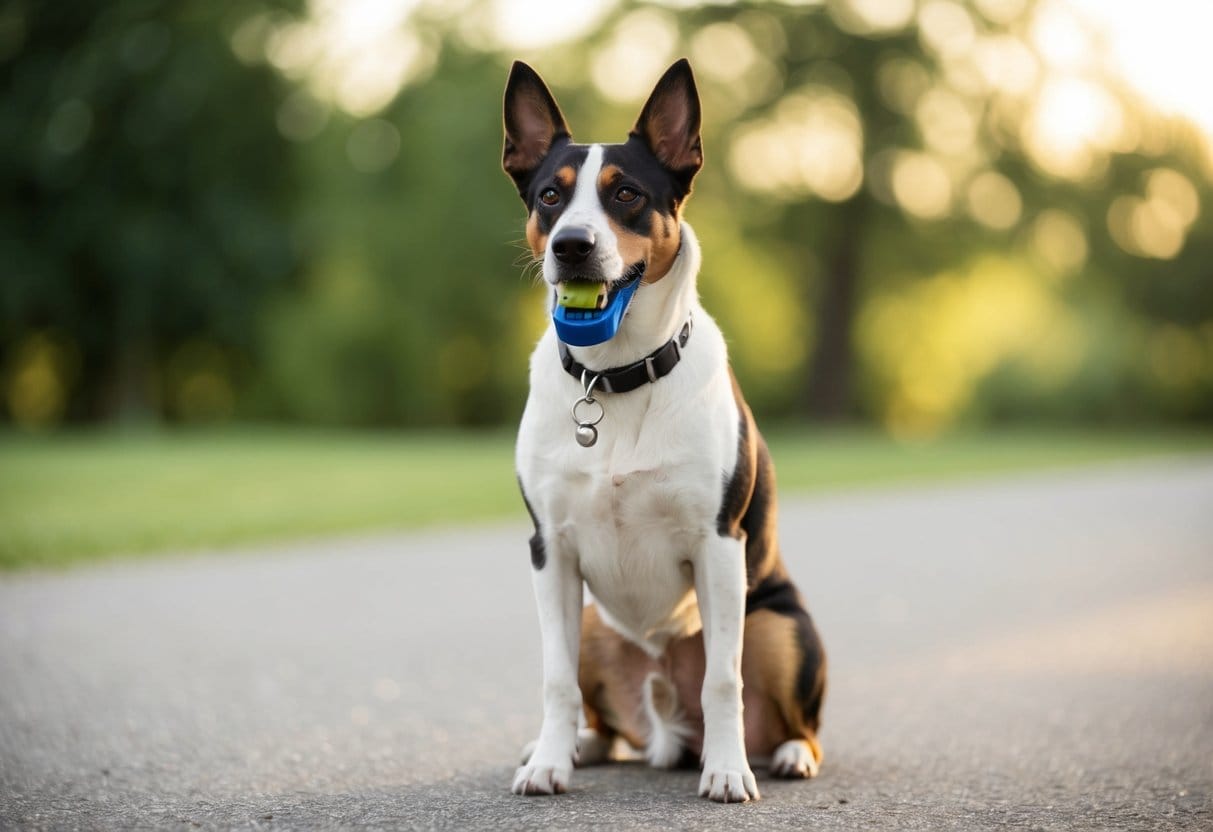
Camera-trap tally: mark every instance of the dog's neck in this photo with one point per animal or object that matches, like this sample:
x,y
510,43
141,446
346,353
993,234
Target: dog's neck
x,y
657,312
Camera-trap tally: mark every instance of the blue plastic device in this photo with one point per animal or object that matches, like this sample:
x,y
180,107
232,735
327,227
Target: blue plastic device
x,y
587,327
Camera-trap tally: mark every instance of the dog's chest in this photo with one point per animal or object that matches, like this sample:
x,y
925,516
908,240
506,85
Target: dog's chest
x,y
635,532
633,512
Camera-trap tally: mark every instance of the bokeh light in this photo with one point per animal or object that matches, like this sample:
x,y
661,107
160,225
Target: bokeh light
x,y
639,48
1071,127
1059,241
921,185
1155,224
813,144
994,201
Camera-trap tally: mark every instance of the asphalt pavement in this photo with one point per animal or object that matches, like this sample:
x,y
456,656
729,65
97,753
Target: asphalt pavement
x,y
1032,652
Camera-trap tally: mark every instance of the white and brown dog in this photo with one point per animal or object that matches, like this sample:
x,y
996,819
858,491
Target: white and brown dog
x,y
658,492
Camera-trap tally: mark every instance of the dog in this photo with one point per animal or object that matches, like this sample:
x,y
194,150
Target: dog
x,y
645,476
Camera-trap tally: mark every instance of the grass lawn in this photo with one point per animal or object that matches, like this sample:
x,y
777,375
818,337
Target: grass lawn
x,y
81,496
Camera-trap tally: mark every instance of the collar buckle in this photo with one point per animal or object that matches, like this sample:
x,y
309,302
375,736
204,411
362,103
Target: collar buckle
x,y
648,368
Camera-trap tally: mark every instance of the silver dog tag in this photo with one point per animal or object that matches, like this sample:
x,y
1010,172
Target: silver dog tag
x,y
587,432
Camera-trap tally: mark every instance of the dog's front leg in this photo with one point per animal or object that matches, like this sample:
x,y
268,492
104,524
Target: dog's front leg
x,y
558,593
720,584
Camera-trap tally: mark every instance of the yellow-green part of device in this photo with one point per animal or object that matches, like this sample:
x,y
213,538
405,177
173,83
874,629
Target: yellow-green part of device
x,y
582,294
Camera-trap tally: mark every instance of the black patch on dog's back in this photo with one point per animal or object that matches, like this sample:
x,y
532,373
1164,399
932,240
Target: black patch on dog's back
x,y
776,594
747,506
762,548
738,487
539,555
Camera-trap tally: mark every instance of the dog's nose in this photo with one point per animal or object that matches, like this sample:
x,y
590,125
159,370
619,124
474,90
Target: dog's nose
x,y
573,245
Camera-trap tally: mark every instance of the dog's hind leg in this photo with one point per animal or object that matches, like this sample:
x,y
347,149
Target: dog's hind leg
x,y
610,676
784,669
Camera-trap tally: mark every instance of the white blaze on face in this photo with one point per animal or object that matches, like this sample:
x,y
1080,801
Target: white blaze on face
x,y
585,211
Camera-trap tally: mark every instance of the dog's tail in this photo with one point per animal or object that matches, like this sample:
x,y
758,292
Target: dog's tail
x,y
668,729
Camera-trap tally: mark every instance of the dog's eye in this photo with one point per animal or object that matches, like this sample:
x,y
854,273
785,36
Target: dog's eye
x,y
549,196
626,195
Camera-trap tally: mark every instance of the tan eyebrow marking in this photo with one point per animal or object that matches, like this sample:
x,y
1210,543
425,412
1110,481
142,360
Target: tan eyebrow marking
x,y
609,174
566,176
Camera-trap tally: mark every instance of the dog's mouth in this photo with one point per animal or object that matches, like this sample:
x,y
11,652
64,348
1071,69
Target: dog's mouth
x,y
589,312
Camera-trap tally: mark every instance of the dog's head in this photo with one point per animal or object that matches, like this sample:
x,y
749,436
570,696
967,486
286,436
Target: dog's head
x,y
603,213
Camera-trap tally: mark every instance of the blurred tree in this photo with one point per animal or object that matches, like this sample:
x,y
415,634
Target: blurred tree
x,y
145,207
410,309
888,143
914,212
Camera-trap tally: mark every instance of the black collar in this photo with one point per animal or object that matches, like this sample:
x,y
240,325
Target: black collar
x,y
647,370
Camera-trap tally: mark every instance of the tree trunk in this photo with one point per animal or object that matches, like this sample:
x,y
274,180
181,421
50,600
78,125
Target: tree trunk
x,y
829,389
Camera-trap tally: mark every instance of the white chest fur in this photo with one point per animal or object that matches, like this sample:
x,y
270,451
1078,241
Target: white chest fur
x,y
632,510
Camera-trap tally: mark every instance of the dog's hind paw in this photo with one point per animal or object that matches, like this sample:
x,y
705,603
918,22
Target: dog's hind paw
x,y
728,786
540,779
593,749
793,759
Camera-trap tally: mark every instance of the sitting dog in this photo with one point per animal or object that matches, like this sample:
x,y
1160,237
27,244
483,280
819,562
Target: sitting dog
x,y
645,476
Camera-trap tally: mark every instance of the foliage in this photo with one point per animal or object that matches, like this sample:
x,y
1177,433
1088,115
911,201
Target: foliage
x,y
145,208
207,214
412,310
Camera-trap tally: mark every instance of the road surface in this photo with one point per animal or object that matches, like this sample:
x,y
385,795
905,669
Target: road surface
x,y
1034,652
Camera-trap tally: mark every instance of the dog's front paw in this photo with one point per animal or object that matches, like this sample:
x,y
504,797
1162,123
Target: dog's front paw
x,y
726,784
542,779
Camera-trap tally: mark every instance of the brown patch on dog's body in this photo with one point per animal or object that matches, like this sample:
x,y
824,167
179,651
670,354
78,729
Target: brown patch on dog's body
x,y
611,674
771,660
613,670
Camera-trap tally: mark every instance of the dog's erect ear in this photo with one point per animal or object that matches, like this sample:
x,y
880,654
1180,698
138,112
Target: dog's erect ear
x,y
532,123
669,122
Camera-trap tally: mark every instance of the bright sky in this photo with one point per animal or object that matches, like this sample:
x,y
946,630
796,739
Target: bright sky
x,y
1162,48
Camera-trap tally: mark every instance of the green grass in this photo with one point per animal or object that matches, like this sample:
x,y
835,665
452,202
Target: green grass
x,y
816,461
82,496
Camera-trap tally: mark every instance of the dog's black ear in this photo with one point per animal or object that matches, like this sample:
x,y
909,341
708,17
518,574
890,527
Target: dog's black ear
x,y
669,122
533,123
